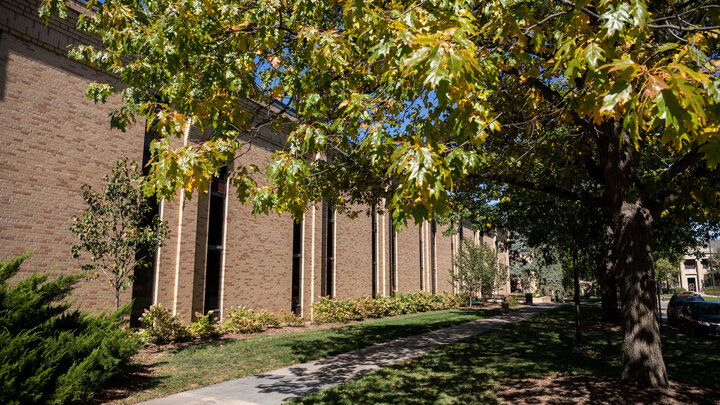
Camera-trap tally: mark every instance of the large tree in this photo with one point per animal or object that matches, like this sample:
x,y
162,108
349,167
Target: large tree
x,y
413,100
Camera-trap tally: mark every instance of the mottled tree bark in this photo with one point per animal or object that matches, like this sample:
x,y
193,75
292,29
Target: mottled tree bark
x,y
642,358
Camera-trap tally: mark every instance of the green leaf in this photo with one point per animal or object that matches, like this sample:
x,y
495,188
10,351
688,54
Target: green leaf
x,y
639,13
593,54
619,93
712,152
615,18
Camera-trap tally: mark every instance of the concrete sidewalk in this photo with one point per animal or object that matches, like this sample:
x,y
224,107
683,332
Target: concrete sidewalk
x,y
278,386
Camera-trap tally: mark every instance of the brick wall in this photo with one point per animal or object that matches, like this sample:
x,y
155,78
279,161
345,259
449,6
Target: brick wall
x,y
52,140
353,256
444,254
408,254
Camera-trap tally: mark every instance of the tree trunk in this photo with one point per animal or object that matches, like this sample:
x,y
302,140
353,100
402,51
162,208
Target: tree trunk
x,y
576,281
608,288
117,299
642,358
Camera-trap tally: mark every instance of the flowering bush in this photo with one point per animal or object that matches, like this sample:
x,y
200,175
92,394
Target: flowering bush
x,y
286,318
162,327
243,320
205,326
510,302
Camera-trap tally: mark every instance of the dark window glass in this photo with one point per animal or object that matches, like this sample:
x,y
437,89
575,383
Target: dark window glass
x,y
216,226
393,261
143,285
212,280
374,253
330,253
296,264
690,264
433,265
422,269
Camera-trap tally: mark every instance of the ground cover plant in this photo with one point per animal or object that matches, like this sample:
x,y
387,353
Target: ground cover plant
x,y
472,371
49,353
194,366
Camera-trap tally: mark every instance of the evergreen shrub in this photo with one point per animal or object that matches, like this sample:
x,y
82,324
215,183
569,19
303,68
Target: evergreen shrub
x,y
49,353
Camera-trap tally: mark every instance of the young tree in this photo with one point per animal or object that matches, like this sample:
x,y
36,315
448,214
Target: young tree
x,y
433,97
665,270
118,230
477,269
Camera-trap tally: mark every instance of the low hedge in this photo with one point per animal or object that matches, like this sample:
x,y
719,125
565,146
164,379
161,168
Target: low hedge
x,y
329,310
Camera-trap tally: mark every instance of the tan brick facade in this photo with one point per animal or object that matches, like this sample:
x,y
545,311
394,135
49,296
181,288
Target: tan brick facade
x,y
53,140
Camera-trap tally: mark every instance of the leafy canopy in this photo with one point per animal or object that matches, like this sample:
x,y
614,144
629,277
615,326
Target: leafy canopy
x,y
401,94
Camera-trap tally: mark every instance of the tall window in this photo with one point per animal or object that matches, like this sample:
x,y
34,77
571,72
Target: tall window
x,y
433,262
330,253
216,226
296,264
374,253
422,269
393,259
143,285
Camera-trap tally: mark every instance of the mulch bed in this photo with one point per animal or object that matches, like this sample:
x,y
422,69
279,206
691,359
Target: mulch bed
x,y
570,390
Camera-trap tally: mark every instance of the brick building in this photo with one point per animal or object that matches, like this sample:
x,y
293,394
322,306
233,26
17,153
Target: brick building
x,y
218,255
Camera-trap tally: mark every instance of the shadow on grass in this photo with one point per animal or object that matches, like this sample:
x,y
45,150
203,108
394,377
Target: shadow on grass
x,y
237,358
355,336
517,355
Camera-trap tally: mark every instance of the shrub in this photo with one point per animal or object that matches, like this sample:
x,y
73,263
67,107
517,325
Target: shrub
x,y
286,318
712,290
161,327
510,302
680,290
345,310
49,353
205,326
243,320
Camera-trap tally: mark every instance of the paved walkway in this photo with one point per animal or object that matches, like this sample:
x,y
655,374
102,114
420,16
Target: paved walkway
x,y
278,386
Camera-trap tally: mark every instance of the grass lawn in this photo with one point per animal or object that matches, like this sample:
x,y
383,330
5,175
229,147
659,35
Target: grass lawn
x,y
715,299
197,366
469,372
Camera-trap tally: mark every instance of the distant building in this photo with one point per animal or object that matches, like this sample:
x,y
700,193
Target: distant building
x,y
695,268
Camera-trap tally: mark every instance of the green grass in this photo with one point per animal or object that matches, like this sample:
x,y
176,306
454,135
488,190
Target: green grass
x,y
210,363
715,299
469,372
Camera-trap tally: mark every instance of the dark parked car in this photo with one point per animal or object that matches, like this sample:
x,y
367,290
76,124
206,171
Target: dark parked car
x,y
700,318
676,302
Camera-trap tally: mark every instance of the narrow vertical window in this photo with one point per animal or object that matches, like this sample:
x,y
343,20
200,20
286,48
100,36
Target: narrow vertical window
x,y
143,284
296,264
330,253
433,265
422,269
374,253
393,259
216,225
